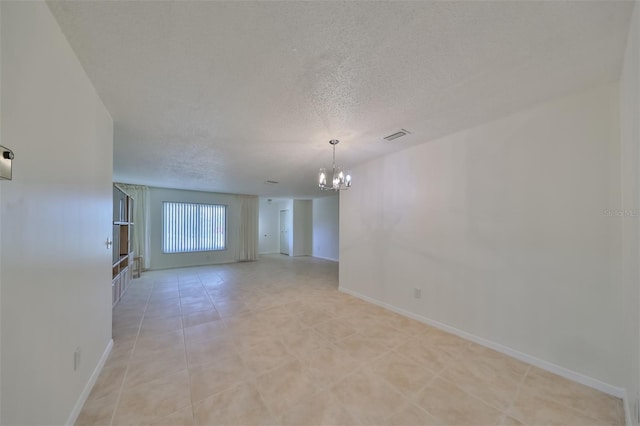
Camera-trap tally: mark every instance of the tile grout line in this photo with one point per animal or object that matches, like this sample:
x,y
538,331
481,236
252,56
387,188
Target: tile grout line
x,y
126,372
184,345
426,385
452,359
516,394
250,378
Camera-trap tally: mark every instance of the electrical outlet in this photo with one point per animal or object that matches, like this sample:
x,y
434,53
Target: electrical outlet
x,y
417,293
76,358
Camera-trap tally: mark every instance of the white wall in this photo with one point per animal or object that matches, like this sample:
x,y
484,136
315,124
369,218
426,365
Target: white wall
x,y
630,181
300,236
161,260
55,270
268,226
302,233
326,235
503,227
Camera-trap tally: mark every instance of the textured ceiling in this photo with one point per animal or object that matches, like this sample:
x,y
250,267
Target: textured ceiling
x,y
221,96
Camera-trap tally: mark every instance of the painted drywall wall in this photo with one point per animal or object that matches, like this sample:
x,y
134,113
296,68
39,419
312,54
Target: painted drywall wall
x,y
629,221
161,260
326,230
55,271
299,236
504,228
268,226
302,234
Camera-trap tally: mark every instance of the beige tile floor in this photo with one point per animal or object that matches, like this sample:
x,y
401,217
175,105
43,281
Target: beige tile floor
x,y
274,342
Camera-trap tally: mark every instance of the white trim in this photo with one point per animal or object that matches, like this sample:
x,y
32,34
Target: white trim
x,y
537,362
326,258
87,389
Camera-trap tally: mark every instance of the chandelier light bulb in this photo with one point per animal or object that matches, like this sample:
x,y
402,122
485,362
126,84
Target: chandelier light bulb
x,y
322,177
347,179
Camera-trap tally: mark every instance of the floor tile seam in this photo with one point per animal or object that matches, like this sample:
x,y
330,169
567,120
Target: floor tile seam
x,y
204,365
192,340
387,417
260,397
153,419
424,410
330,387
336,344
428,383
126,373
477,398
395,346
181,316
194,403
186,355
318,386
289,404
397,410
253,385
389,385
378,355
211,299
306,372
149,334
453,355
516,394
351,328
274,315
334,340
352,414
266,371
449,358
171,370
422,367
344,407
544,396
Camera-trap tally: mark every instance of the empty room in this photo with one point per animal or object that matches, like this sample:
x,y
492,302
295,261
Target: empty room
x,y
320,213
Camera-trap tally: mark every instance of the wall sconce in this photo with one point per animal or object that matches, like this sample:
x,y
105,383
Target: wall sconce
x,y
5,163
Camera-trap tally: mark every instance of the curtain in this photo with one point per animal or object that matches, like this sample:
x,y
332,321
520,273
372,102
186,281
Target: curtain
x,y
140,236
247,246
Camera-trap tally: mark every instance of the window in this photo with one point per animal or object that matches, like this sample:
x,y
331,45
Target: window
x,y
190,227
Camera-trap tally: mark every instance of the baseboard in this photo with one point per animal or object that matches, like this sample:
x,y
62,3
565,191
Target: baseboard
x,y
87,389
326,258
168,268
537,362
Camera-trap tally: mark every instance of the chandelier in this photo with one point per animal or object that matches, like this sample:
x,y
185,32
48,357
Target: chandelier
x,y
340,179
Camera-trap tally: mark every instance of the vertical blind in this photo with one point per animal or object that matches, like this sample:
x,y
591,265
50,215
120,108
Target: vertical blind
x,y
192,227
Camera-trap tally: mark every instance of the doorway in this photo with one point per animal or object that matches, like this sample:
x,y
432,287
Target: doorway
x,y
284,232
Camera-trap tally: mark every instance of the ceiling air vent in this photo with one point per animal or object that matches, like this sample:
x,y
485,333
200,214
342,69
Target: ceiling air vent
x,y
271,182
400,133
